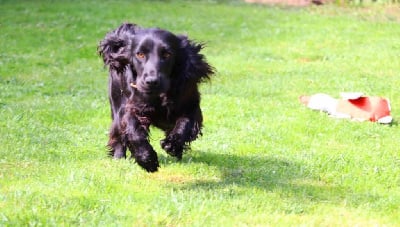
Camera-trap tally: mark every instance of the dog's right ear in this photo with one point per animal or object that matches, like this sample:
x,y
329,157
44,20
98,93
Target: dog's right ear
x,y
116,45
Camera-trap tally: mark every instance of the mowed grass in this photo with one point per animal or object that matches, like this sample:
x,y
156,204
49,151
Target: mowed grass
x,y
263,159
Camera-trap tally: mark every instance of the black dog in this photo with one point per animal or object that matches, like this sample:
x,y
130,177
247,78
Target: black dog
x,y
154,77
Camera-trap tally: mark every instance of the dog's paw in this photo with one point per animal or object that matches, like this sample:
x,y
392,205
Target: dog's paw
x,y
149,166
173,147
147,159
117,151
119,154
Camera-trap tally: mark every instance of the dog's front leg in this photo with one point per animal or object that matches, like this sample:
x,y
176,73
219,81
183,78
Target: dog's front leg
x,y
187,129
136,137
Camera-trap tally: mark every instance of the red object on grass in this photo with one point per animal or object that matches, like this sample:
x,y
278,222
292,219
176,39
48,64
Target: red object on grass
x,y
352,105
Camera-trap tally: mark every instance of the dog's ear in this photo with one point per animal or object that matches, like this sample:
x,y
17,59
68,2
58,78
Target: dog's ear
x,y
193,64
116,45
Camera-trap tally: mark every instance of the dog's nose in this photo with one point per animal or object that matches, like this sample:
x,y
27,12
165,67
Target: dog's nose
x,y
151,81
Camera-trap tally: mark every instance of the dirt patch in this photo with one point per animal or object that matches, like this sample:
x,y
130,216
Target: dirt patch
x,y
393,12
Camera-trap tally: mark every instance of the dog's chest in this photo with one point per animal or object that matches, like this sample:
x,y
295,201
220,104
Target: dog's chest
x,y
156,114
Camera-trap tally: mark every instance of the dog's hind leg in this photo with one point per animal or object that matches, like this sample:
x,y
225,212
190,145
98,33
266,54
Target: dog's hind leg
x,y
118,151
116,148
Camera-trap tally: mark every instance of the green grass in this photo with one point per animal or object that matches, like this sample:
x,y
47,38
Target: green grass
x,y
263,160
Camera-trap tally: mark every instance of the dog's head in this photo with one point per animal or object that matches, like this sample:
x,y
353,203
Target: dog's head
x,y
154,55
159,60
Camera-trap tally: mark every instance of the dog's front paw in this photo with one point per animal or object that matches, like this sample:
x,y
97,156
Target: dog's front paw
x,y
173,147
147,159
149,166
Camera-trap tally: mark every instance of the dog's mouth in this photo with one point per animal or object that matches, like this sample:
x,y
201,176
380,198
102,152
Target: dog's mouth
x,y
147,91
134,85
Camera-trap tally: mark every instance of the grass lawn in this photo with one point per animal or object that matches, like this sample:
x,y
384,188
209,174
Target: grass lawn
x,y
264,159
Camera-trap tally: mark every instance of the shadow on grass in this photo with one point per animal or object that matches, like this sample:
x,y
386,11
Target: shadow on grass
x,y
297,187
296,183
287,178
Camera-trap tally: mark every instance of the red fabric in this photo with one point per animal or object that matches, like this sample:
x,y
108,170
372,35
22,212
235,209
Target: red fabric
x,y
367,108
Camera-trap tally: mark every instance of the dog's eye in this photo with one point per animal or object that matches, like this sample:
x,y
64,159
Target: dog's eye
x,y
140,55
166,55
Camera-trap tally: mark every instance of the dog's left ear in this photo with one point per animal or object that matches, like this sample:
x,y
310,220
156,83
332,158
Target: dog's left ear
x,y
193,64
115,47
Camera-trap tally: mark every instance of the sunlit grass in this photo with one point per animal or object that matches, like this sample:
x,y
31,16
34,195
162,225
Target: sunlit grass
x,y
263,160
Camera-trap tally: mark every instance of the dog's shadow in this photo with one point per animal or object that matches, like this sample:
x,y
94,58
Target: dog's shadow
x,y
292,180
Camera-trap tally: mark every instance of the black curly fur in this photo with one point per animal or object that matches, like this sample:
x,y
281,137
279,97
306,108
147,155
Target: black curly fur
x,y
153,80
